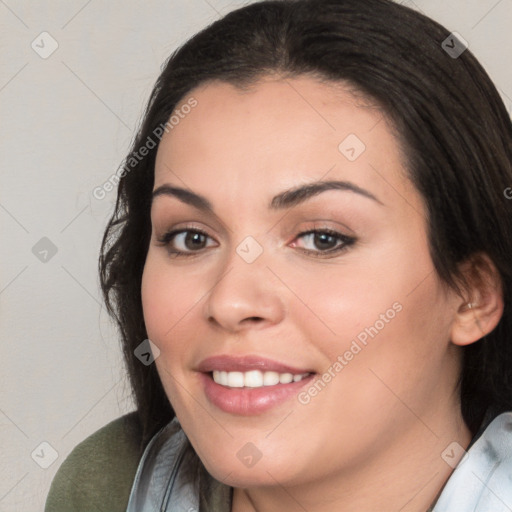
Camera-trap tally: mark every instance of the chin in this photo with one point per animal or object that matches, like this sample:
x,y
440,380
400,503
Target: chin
x,y
239,471
247,477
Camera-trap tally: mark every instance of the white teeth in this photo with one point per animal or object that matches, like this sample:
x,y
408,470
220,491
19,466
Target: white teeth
x,y
270,378
254,378
285,378
235,379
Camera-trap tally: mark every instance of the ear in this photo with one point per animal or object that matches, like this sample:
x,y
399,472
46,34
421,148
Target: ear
x,y
480,308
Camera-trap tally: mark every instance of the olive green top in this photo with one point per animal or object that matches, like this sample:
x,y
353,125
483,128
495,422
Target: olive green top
x,y
97,475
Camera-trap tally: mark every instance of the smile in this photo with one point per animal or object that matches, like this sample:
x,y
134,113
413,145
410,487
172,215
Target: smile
x,y
255,378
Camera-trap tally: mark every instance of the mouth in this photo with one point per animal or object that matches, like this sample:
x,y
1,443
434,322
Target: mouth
x,y
255,378
250,385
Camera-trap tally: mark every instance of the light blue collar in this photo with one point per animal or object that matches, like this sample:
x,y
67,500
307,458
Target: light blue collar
x,y
482,480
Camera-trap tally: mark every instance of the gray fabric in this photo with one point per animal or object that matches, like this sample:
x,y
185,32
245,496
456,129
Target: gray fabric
x,y
481,482
158,485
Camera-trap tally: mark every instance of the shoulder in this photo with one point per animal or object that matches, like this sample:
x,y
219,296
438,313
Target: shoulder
x,y
99,472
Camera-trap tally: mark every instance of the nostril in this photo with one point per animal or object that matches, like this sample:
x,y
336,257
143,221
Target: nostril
x,y
254,319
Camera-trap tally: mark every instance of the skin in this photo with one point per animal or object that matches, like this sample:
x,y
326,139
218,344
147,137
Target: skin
x,y
372,439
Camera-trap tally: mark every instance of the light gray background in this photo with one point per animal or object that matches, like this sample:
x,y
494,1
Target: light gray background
x,y
66,122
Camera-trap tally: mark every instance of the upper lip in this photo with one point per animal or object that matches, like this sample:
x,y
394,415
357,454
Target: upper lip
x,y
247,363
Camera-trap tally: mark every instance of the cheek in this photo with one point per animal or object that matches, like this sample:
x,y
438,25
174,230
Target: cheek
x,y
167,299
155,302
399,353
339,303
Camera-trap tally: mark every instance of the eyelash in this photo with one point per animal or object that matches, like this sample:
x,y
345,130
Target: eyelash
x,y
347,241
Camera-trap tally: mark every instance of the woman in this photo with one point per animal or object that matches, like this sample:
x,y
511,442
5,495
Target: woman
x,y
313,230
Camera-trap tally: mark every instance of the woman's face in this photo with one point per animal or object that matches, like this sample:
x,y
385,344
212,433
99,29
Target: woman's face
x,y
335,287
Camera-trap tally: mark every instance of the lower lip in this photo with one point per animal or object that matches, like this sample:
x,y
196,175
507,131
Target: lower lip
x,y
249,401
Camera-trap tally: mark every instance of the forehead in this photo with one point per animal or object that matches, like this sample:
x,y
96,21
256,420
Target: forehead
x,y
277,134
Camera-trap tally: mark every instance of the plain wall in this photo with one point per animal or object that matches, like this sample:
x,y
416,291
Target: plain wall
x,y
66,123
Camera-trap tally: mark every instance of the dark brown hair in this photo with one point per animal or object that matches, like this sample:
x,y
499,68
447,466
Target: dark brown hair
x,y
451,121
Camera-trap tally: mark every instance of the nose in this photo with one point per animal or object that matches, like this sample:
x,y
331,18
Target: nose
x,y
245,295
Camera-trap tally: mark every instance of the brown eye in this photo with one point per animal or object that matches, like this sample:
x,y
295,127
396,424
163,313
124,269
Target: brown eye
x,y
325,242
184,241
193,240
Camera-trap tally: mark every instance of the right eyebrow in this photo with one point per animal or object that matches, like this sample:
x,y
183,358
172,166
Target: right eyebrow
x,y
184,195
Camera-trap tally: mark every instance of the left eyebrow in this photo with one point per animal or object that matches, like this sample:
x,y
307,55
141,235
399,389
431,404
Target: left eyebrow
x,y
285,199
299,194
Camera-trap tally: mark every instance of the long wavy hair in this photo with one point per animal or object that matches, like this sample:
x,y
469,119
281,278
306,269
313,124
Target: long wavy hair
x,y
450,120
